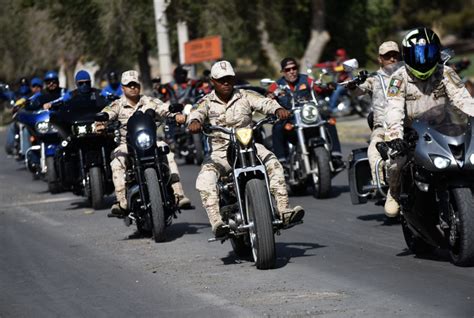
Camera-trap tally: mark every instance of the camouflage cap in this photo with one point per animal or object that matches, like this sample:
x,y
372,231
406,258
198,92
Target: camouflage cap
x,y
388,46
129,77
222,69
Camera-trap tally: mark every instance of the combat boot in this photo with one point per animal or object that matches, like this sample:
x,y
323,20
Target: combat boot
x,y
290,216
392,208
183,200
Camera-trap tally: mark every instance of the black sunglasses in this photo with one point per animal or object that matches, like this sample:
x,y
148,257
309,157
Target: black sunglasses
x,y
132,85
83,83
294,68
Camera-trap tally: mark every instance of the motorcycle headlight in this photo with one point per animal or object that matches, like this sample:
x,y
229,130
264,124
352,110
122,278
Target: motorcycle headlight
x,y
144,140
244,135
42,127
471,159
440,162
309,114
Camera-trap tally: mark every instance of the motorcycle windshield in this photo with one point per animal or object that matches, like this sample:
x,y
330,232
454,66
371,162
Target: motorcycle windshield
x,y
302,97
446,119
80,109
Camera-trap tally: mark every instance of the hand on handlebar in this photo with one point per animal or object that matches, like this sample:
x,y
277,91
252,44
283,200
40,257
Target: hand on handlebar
x,y
100,127
195,127
282,113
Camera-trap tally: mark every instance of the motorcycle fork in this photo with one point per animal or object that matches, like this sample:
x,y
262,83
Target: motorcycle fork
x,y
43,158
83,169
304,151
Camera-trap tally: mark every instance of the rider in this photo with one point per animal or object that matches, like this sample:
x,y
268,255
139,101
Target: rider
x,y
376,86
294,81
122,109
36,87
232,108
341,76
51,92
24,90
113,89
421,84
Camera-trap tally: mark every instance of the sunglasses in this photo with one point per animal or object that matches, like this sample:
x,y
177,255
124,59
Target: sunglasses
x,y
289,69
132,85
51,82
83,83
389,55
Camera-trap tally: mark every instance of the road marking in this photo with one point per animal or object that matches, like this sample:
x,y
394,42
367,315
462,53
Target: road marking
x,y
45,201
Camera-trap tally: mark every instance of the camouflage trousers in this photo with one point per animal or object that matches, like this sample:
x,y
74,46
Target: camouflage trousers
x,y
373,154
217,165
394,167
119,166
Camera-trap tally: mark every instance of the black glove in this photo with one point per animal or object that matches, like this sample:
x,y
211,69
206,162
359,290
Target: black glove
x,y
382,148
399,145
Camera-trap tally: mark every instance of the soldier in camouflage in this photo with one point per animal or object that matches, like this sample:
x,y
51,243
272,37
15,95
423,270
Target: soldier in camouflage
x,y
413,89
122,109
232,108
376,86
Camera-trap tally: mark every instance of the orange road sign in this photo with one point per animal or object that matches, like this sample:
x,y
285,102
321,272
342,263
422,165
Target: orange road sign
x,y
203,49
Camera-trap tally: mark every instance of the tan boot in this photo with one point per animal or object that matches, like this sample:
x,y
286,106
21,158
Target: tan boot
x,y
392,208
289,216
183,200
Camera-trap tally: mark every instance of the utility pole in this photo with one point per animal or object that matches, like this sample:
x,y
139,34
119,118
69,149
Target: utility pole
x,y
164,54
183,37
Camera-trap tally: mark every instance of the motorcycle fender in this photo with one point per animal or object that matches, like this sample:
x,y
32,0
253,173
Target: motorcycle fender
x,y
316,142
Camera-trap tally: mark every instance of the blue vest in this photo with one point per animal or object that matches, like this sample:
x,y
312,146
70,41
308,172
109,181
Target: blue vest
x,y
300,87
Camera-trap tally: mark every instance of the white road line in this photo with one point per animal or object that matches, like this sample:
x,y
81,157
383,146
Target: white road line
x,y
45,201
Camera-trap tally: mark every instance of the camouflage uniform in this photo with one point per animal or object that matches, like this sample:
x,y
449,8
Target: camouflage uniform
x,y
376,86
120,110
237,113
408,97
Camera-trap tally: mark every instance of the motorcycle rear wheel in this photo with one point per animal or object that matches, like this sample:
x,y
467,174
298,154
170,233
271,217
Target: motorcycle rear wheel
x,y
156,205
462,251
322,181
51,176
259,211
96,185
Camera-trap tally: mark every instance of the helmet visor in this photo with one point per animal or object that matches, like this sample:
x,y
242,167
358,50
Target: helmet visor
x,y
421,57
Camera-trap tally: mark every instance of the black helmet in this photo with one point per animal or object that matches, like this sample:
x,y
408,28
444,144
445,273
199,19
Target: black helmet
x,y
421,52
112,77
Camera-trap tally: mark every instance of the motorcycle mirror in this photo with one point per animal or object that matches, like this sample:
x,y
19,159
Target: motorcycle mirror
x,y
350,65
266,82
176,108
446,55
150,112
102,116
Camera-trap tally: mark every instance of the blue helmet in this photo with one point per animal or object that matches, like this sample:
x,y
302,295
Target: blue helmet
x,y
82,76
36,81
51,75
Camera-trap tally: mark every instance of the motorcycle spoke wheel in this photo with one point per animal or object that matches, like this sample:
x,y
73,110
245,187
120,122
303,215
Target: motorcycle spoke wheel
x,y
156,205
259,211
96,188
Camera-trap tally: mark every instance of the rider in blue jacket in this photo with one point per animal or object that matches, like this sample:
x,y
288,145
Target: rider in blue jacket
x,y
113,89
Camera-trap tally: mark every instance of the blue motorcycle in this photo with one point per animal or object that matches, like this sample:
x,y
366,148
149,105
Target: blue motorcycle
x,y
43,138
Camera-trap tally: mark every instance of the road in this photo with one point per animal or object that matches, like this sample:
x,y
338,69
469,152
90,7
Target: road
x,y
62,259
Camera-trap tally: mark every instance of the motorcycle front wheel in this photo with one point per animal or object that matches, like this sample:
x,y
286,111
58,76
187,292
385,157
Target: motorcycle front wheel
x,y
51,176
156,205
322,173
96,185
259,217
461,233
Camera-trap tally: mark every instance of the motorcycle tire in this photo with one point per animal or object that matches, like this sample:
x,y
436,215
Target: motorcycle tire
x,y
414,243
96,183
259,211
156,205
52,176
462,251
198,149
321,183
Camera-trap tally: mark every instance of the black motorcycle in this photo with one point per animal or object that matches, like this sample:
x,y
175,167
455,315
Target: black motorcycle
x,y
437,181
150,197
82,161
246,205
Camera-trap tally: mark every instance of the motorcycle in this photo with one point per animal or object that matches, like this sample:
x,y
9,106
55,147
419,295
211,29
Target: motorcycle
x,y
82,162
150,197
246,205
44,140
309,156
437,181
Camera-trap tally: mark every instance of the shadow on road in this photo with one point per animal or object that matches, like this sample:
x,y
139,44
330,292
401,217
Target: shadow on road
x,y
380,217
338,190
83,203
438,255
284,252
175,231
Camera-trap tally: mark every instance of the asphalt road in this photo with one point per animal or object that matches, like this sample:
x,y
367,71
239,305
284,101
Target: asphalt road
x,y
62,259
